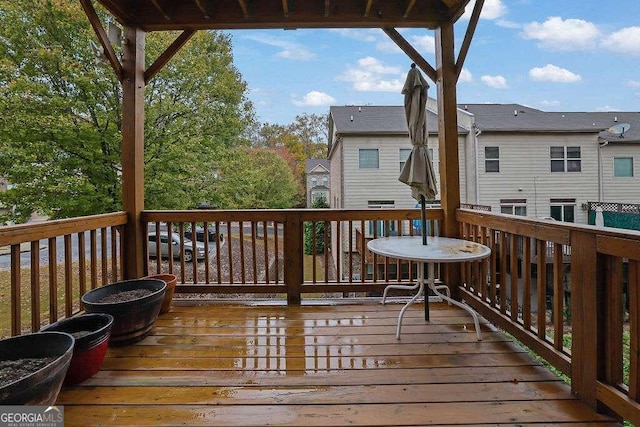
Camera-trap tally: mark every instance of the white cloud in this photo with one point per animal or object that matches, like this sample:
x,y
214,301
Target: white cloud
x,y
492,9
364,35
496,82
633,83
424,44
550,103
626,41
606,108
558,34
465,76
371,75
553,73
388,46
504,23
314,99
290,50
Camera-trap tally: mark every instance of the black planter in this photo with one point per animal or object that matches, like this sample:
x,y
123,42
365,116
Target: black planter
x,y
133,319
41,387
90,348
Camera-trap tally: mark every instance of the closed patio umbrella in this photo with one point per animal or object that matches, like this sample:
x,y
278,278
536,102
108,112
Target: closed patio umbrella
x,y
418,169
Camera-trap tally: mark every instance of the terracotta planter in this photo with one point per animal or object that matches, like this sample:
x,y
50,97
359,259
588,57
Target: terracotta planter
x,y
90,347
170,280
42,386
134,318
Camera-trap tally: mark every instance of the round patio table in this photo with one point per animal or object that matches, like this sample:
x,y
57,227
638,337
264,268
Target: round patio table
x,y
437,250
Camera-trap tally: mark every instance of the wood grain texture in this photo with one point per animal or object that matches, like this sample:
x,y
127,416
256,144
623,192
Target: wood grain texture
x,y
239,365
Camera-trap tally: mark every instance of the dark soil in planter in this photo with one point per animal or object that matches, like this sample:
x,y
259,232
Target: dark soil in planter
x,y
125,296
13,370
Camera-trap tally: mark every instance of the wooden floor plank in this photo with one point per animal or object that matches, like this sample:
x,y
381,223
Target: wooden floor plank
x,y
321,394
455,413
332,378
330,365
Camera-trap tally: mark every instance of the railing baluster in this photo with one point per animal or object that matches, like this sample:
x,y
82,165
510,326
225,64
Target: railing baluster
x,y
558,297
104,258
350,252
53,280
35,286
207,261
633,286
196,254
254,251
526,282
314,252
614,320
241,240
82,267
265,234
541,280
114,258
16,297
513,306
94,258
68,277
325,236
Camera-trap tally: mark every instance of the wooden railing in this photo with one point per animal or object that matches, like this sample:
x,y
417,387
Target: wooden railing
x,y
263,251
574,305
46,267
568,292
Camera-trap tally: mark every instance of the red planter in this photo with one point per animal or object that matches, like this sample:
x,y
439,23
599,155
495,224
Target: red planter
x,y
170,280
90,348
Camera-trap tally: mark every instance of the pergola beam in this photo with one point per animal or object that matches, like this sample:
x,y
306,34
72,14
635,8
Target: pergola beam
x,y
412,53
162,60
466,43
102,37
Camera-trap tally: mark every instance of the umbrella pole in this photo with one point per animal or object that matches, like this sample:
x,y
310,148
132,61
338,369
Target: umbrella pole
x,y
423,217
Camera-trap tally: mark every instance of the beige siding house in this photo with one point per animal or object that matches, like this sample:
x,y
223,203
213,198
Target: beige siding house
x,y
318,180
513,158
550,165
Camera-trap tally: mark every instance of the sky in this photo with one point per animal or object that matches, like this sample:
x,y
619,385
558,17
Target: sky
x,y
554,55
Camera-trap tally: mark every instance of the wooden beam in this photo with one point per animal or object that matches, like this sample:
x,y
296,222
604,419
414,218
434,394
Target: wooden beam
x,y
327,7
448,141
412,53
203,9
245,8
367,8
162,60
133,243
102,37
285,8
161,10
409,7
471,28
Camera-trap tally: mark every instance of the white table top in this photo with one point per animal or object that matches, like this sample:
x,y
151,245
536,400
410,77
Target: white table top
x,y
437,249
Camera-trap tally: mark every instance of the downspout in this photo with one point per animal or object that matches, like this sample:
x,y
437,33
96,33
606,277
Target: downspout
x,y
477,133
600,174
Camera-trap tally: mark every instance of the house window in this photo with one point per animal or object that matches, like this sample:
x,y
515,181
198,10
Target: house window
x,y
565,159
622,167
325,181
314,182
513,206
404,155
368,158
563,209
492,159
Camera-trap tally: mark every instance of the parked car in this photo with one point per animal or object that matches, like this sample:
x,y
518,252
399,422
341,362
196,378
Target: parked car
x,y
175,243
200,234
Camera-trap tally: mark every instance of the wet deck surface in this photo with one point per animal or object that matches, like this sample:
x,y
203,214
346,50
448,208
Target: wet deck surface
x,y
338,365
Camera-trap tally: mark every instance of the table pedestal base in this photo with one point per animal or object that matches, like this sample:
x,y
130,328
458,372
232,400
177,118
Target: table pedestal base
x,y
420,287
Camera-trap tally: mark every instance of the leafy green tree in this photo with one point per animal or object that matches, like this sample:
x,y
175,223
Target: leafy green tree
x,y
319,203
253,178
60,115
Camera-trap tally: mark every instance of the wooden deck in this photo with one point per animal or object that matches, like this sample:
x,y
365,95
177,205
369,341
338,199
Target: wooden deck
x,y
329,365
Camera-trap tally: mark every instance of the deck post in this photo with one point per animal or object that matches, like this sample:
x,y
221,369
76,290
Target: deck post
x,y
448,141
133,151
293,254
584,316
